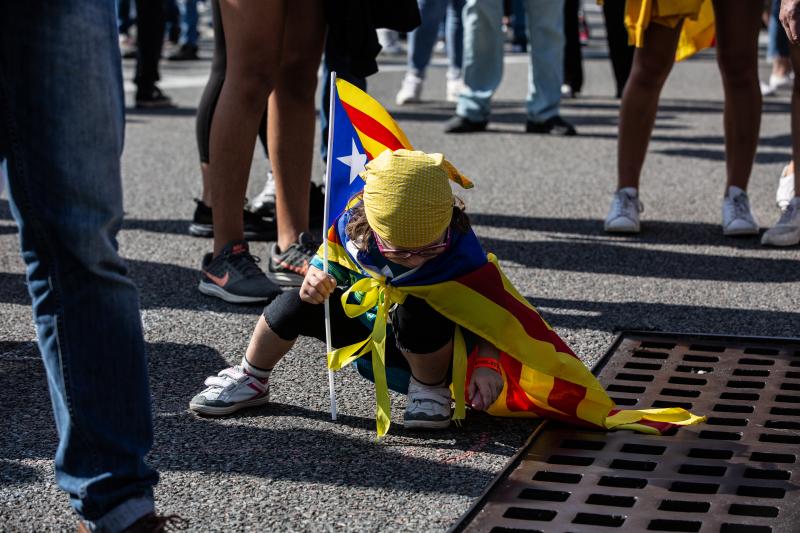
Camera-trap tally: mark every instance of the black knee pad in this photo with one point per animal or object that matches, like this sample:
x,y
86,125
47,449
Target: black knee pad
x,y
418,328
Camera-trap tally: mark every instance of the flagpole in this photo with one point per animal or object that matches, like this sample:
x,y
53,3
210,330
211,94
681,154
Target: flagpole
x,y
326,225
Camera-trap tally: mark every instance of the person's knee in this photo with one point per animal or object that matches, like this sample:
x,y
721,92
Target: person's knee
x,y
736,70
650,72
418,328
298,76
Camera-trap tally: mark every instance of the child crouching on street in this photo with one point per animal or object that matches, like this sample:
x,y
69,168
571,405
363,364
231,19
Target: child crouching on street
x,y
411,293
406,223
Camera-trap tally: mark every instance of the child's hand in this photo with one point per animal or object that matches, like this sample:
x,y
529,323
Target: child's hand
x,y
484,387
317,286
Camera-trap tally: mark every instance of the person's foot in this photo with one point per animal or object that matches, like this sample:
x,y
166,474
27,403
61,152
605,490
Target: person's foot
x,y
568,92
787,231
410,91
187,52
256,227
149,523
234,276
623,216
785,191
230,390
454,87
766,88
153,98
428,407
554,125
459,124
263,205
737,219
779,81
288,268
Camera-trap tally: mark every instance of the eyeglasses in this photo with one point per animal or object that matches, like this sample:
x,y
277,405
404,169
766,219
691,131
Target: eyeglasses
x,y
425,252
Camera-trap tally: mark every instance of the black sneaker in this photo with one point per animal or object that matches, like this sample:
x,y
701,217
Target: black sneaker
x,y
256,228
187,52
235,277
263,205
553,125
153,98
288,268
459,124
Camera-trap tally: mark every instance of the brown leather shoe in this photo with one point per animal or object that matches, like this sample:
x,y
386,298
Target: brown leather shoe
x,y
149,523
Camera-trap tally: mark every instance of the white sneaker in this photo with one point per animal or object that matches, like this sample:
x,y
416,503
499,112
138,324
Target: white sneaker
x,y
737,219
785,191
428,407
265,201
766,88
230,390
623,216
779,82
787,231
410,91
454,89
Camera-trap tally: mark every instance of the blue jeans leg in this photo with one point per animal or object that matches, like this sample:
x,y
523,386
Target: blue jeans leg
x,y
189,17
61,131
454,28
423,38
778,42
483,58
546,70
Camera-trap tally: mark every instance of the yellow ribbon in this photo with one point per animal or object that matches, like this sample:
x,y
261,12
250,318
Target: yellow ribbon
x,y
377,293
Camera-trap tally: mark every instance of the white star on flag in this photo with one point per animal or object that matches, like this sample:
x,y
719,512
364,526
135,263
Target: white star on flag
x,y
355,161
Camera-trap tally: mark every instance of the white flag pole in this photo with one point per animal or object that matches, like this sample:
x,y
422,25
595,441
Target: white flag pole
x,y
326,225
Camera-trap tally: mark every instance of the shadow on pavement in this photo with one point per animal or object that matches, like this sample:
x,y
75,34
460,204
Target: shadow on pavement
x,y
278,441
617,316
591,256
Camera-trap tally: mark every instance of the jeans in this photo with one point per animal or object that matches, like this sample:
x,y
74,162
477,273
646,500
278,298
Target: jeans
x,y
61,134
778,43
423,38
483,58
189,18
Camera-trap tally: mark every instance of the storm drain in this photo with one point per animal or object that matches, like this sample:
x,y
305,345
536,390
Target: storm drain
x,y
736,473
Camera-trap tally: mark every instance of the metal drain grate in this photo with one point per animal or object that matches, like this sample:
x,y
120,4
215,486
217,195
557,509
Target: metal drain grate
x,y
736,473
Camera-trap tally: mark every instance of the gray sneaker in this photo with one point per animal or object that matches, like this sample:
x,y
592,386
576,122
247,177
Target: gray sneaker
x,y
230,390
428,407
787,231
737,219
234,276
623,215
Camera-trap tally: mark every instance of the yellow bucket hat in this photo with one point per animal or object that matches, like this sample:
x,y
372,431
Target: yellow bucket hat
x,y
407,196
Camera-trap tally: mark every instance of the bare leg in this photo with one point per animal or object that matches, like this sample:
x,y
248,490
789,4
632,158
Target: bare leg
x,y
206,194
738,24
266,348
292,117
637,114
430,368
254,34
795,55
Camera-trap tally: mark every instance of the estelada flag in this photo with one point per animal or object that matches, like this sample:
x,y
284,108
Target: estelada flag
x,y
542,376
361,130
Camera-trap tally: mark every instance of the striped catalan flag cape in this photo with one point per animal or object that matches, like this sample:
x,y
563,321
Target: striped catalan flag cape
x,y
542,376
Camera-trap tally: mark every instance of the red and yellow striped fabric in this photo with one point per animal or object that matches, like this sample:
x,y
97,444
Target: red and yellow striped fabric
x,y
376,129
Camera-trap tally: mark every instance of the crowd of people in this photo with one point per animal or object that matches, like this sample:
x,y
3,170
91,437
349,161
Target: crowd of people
x,y
66,194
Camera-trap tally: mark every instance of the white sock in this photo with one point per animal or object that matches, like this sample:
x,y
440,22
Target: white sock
x,y
254,371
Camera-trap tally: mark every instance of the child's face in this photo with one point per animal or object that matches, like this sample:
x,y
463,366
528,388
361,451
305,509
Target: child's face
x,y
413,257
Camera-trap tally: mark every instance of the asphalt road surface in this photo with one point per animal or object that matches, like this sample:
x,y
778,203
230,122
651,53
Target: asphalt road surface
x,y
538,203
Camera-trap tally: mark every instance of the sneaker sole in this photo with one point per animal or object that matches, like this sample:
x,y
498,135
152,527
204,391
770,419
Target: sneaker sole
x,y
201,230
209,289
286,280
745,232
780,241
426,424
221,411
629,231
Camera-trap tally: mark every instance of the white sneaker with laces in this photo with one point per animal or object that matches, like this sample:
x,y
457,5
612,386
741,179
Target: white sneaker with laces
x,y
737,219
454,87
623,216
410,91
230,390
428,407
785,191
787,231
267,195
779,82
